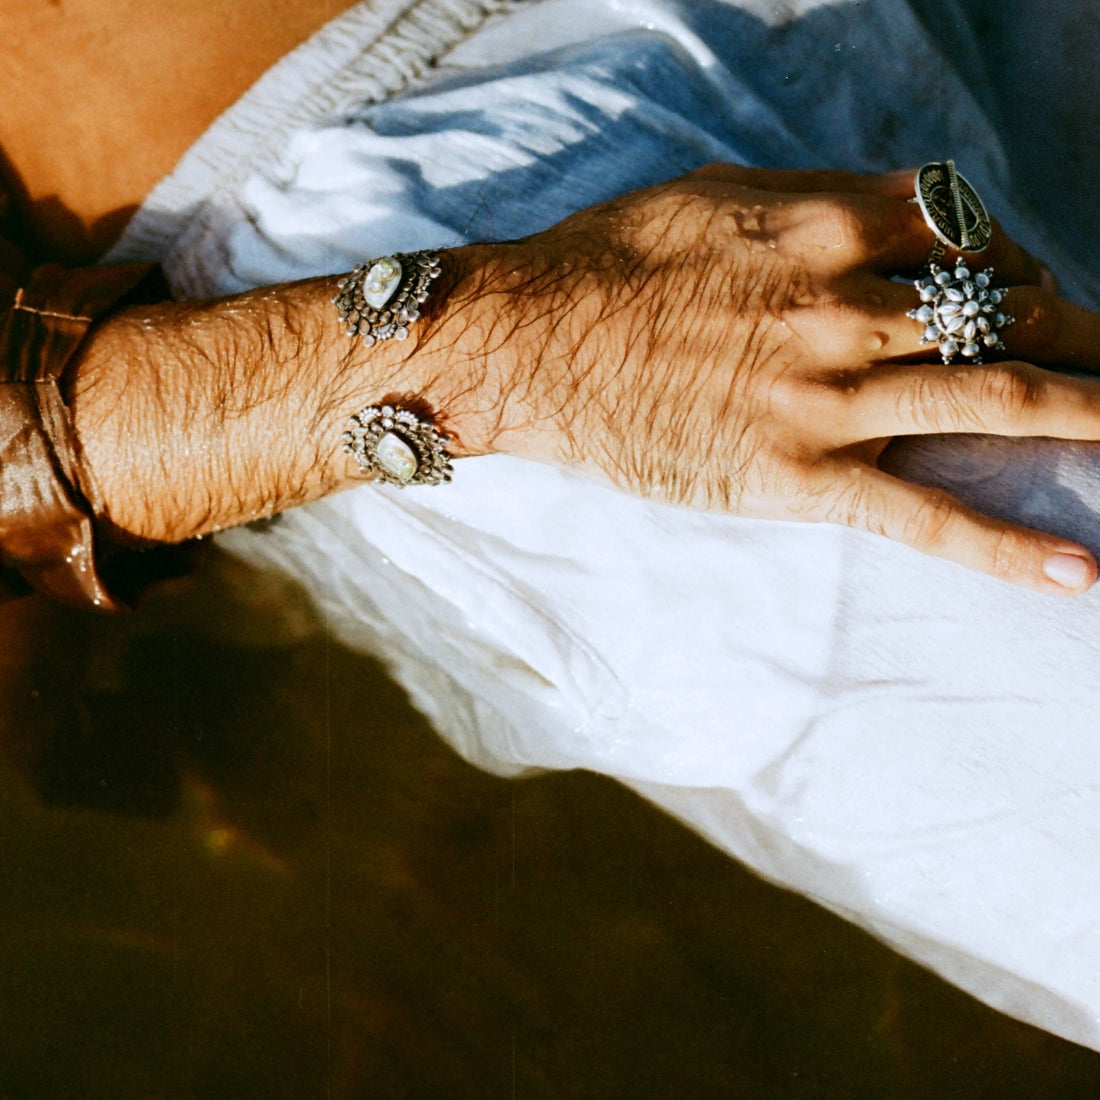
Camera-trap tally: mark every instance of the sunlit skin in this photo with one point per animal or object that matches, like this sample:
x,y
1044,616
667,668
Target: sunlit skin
x,y
732,340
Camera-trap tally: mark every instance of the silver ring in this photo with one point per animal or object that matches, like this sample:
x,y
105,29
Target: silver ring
x,y
951,209
960,313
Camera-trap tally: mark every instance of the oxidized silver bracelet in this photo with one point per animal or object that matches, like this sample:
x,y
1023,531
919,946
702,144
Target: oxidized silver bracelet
x,y
397,446
377,301
381,297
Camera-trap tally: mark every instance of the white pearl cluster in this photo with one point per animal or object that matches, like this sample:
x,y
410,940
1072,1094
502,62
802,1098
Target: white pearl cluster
x,y
960,313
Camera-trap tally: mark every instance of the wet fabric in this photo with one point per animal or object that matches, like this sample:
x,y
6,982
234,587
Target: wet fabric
x,y
909,743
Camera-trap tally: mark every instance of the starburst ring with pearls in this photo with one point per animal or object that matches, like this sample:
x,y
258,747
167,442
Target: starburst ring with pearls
x,y
960,313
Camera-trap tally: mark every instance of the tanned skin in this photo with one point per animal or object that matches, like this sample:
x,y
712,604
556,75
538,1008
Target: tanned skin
x,y
732,340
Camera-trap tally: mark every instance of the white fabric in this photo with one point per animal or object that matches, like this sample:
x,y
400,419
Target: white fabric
x,y
909,743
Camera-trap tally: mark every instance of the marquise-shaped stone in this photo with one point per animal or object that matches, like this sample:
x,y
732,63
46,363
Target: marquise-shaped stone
x,y
396,457
381,282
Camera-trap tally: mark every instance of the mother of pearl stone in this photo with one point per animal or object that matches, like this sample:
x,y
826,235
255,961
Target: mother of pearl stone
x,y
396,457
381,282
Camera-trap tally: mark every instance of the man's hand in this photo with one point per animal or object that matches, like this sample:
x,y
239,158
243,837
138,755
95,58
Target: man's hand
x,y
732,340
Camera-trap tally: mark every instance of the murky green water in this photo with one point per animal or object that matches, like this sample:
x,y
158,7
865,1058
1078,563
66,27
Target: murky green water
x,y
235,863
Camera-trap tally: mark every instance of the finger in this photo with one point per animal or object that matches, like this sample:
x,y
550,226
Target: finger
x,y
904,242
848,233
1043,328
910,248
936,523
1048,329
811,181
1010,399
893,235
868,321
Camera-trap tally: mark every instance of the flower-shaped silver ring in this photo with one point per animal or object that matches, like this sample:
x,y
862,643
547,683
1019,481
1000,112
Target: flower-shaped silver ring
x,y
961,312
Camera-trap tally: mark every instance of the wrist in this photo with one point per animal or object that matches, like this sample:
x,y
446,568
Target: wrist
x,y
193,417
520,318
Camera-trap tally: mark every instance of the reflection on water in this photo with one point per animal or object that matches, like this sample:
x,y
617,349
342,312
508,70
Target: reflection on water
x,y
236,863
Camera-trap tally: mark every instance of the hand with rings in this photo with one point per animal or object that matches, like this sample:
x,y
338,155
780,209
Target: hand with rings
x,y
739,339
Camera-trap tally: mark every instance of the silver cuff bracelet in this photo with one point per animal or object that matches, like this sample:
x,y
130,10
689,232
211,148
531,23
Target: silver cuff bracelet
x,y
381,297
378,301
398,447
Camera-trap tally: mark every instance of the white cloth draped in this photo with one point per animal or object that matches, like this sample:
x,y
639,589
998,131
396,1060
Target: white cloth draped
x,y
909,743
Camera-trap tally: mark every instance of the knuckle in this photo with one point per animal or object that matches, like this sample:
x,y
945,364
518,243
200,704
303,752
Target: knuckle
x,y
932,522
842,223
835,223
859,511
1007,555
785,394
834,322
845,312
1012,392
811,495
852,503
797,400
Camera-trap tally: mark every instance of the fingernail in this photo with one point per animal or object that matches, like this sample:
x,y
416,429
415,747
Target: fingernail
x,y
1047,280
1068,570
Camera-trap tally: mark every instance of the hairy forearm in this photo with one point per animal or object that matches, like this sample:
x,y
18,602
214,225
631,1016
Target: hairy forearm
x,y
727,341
194,417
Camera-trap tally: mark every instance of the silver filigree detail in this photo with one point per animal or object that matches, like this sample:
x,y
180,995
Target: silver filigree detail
x,y
398,447
961,313
951,208
380,298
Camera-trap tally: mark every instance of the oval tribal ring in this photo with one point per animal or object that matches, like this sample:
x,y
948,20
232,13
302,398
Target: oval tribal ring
x,y
960,313
952,210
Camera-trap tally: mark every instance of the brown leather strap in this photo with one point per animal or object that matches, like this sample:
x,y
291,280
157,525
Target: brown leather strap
x,y
47,534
